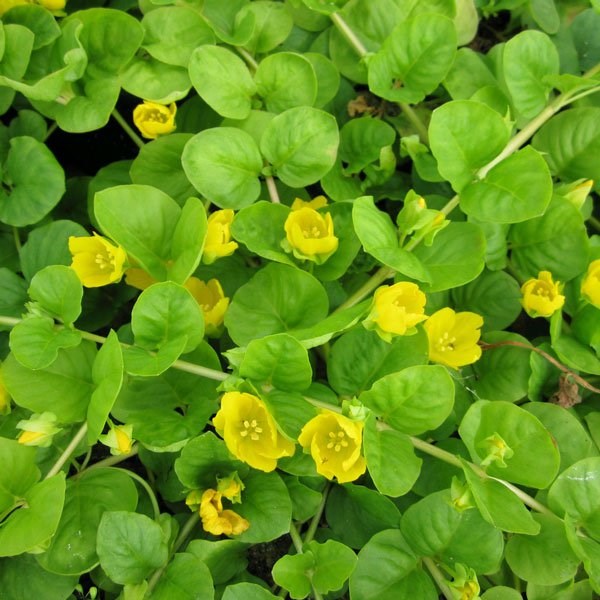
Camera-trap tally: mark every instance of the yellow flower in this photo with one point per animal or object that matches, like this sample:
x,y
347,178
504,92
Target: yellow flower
x,y
218,236
541,297
453,337
497,450
212,301
396,310
38,430
315,203
309,235
119,439
153,119
231,487
334,442
96,261
250,432
138,278
590,286
465,585
4,398
8,4
53,4
217,521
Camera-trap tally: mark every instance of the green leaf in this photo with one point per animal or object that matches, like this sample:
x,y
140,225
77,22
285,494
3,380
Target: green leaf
x,y
414,59
527,59
391,459
576,355
456,256
277,360
499,506
58,291
35,341
328,78
14,293
186,578
130,546
361,141
107,374
301,144
569,141
530,560
379,237
517,189
35,182
247,591
413,400
465,136
360,357
34,522
222,80
223,164
541,244
305,500
272,25
38,20
66,385
72,550
224,558
19,473
292,573
521,432
266,505
387,569
583,27
277,299
356,513
18,43
286,80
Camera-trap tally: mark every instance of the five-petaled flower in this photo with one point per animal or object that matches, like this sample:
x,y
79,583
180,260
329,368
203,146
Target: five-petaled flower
x,y
212,300
218,236
96,261
334,442
315,203
217,521
154,119
396,310
453,337
309,235
590,286
541,296
119,439
250,432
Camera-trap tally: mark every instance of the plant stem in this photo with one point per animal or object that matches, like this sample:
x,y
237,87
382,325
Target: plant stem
x,y
247,57
272,187
66,455
17,239
415,120
312,528
595,223
348,34
135,138
438,576
112,460
361,293
148,489
53,127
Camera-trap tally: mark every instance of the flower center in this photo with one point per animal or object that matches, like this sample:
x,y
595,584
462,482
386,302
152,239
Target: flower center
x,y
156,116
337,440
445,343
311,232
105,261
251,429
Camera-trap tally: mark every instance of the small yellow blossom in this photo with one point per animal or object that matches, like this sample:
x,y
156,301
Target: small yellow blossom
x,y
4,398
541,297
334,442
590,286
453,337
119,439
309,235
396,310
250,432
231,487
497,450
217,521
193,500
465,585
38,430
212,300
153,119
96,261
315,203
218,236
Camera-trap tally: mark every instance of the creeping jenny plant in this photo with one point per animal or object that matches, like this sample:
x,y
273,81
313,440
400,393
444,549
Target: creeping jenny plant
x,y
299,298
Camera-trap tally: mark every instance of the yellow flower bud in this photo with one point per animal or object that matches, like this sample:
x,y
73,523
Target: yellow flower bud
x,y
4,398
153,119
38,430
453,337
231,487
218,236
497,450
250,432
541,297
334,442
396,310
96,261
217,521
309,235
212,301
119,439
590,286
315,203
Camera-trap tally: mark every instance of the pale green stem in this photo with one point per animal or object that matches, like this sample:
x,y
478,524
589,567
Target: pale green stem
x,y
247,57
296,539
148,489
439,578
110,461
375,281
272,187
416,122
348,34
51,130
17,239
312,528
595,223
135,138
66,455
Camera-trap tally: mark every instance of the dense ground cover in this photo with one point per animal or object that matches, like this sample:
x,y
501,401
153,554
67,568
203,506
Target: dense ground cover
x,y
299,299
